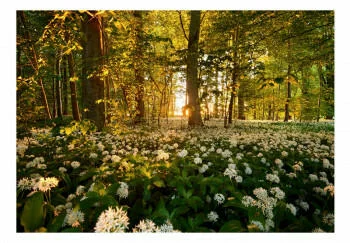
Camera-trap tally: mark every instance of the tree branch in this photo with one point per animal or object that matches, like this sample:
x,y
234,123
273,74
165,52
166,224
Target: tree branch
x,y
182,26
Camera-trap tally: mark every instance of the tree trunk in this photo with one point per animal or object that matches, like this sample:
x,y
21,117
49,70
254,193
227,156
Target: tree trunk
x,y
73,88
72,83
192,84
65,87
35,65
138,67
58,85
230,107
54,100
286,107
321,78
93,60
241,115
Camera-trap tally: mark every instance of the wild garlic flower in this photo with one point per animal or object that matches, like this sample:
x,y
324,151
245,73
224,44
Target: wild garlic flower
x,y
203,169
93,156
183,153
73,218
25,184
197,160
317,230
258,224
161,155
313,177
115,158
292,208
167,228
279,194
75,164
62,169
328,219
248,201
112,220
45,184
146,226
80,190
248,170
123,190
213,216
219,198
239,179
273,178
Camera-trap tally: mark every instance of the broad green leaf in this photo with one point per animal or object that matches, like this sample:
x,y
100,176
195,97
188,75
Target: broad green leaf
x,y
231,226
33,212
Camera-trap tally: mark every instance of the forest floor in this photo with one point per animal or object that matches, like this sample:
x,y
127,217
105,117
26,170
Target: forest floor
x,y
252,176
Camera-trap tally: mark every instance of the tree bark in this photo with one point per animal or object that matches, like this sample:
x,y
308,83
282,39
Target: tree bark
x,y
72,84
138,68
241,115
192,84
286,107
93,98
58,85
73,88
65,87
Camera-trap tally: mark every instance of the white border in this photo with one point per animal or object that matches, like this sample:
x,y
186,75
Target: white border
x,y
8,120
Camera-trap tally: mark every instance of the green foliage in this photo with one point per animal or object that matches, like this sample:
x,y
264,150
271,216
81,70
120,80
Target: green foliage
x,y
32,216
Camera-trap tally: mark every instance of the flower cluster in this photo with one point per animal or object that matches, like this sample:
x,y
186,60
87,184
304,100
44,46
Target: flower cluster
x,y
112,220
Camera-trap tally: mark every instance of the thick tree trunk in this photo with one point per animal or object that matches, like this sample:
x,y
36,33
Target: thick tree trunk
x,y
93,98
138,67
192,84
241,115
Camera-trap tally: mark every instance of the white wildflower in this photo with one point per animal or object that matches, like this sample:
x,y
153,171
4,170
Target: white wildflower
x,y
326,164
258,224
183,153
284,154
80,190
328,219
203,168
73,218
248,201
277,192
62,169
93,156
45,184
213,216
197,161
219,198
313,177
112,220
25,184
273,178
248,170
75,164
238,179
292,208
123,190
147,226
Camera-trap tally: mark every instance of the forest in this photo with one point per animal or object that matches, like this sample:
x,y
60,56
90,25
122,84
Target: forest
x,y
175,121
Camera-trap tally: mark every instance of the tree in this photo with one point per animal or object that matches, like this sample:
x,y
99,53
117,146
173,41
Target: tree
x,y
93,83
192,83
